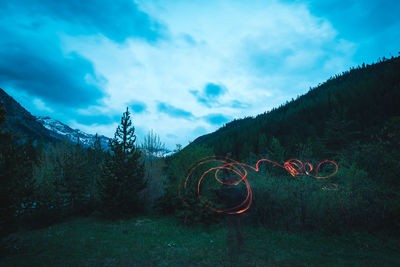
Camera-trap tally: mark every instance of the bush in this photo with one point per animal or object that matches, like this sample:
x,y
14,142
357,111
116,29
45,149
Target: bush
x,y
185,204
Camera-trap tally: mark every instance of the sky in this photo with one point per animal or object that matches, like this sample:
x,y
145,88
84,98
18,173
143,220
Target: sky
x,y
183,68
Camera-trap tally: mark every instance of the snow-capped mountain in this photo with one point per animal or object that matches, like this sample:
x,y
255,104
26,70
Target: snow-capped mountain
x,y
72,134
22,123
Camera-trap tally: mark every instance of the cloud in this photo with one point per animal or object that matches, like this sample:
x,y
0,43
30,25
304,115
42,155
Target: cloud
x,y
138,106
33,56
213,90
174,111
88,60
363,18
118,20
33,62
217,119
188,39
40,105
210,94
264,63
239,105
373,25
97,119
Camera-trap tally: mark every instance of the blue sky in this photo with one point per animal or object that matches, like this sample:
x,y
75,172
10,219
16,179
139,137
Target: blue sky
x,y
184,68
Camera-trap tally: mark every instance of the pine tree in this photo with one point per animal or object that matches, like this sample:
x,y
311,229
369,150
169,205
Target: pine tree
x,y
77,178
123,173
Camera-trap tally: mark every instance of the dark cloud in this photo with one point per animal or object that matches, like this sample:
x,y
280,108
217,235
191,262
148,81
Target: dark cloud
x,y
216,119
212,90
174,111
201,99
118,20
39,68
32,59
363,18
138,107
210,94
372,24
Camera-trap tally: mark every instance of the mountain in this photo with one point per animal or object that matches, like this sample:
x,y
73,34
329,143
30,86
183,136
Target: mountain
x,y
21,122
359,106
64,130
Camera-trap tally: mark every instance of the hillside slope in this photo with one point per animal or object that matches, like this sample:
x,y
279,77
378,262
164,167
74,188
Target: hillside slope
x,y
71,134
20,121
350,108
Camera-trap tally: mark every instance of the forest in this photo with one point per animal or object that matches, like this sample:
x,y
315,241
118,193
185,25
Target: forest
x,y
352,119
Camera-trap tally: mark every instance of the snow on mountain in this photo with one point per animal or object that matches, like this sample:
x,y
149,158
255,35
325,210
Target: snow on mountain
x,y
71,134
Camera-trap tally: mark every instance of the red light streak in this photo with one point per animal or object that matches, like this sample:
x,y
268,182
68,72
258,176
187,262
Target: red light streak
x,y
294,166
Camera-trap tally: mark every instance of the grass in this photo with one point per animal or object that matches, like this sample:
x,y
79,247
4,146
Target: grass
x,y
147,241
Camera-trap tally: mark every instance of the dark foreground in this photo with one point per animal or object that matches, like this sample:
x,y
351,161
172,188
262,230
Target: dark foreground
x,y
149,241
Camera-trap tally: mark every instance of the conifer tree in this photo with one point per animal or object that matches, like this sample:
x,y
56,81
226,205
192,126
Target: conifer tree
x,y
123,173
16,181
96,157
2,114
77,178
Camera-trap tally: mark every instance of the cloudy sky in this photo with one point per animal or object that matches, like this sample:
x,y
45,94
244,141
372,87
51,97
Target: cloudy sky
x,y
184,68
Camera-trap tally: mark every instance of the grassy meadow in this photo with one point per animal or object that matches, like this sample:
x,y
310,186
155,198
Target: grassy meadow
x,y
163,241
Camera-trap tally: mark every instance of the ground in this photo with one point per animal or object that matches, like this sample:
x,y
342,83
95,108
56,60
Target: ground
x,y
147,241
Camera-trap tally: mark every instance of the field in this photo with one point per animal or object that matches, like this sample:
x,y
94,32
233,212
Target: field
x,y
147,241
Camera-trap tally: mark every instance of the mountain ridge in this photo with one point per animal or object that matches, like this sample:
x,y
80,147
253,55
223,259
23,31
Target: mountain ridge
x,y
21,122
72,134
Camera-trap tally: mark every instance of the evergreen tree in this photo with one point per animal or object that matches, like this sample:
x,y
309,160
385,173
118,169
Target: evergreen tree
x,y
17,186
7,220
2,114
77,178
123,173
96,158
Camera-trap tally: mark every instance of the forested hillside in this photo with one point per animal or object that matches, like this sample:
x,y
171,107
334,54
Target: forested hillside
x,y
352,118
348,109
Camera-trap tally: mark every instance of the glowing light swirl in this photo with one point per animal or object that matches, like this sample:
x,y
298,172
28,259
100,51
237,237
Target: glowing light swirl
x,y
294,166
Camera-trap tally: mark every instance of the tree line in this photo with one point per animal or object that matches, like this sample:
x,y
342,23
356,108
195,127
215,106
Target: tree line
x,y
46,183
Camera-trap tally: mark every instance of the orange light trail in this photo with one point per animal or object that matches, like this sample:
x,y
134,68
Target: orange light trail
x,y
294,166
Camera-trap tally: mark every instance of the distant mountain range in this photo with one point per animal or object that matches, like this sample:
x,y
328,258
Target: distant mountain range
x,y
21,122
64,130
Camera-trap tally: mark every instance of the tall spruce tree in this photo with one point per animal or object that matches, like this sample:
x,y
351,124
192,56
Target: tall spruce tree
x,y
123,173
